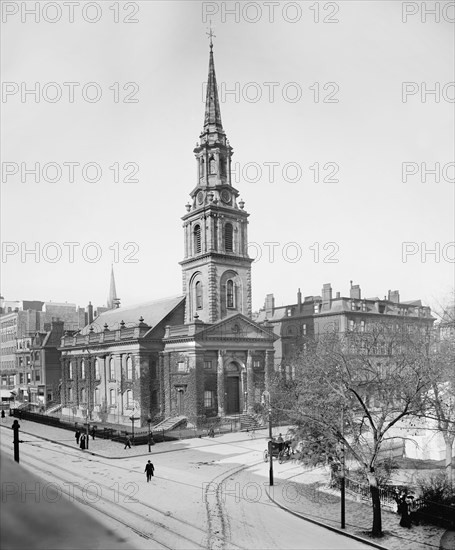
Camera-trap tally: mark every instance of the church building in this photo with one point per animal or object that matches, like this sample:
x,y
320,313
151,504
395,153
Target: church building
x,y
198,354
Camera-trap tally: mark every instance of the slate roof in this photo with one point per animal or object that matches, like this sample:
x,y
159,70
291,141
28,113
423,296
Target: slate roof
x,y
152,312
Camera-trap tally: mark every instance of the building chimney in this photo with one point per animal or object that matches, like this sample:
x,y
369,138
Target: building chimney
x,y
299,300
89,313
326,294
269,304
354,292
337,296
394,296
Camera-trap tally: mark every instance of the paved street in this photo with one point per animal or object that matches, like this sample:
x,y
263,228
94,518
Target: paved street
x,y
206,493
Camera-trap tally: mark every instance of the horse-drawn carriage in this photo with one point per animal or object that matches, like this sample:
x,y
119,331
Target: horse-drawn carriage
x,y
282,450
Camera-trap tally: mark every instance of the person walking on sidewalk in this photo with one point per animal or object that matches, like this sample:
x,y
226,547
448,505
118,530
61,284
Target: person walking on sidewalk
x,y
127,442
82,443
149,469
77,435
93,432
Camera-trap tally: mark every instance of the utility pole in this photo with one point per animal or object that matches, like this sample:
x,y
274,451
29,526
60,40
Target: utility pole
x,y
267,403
270,447
342,473
16,440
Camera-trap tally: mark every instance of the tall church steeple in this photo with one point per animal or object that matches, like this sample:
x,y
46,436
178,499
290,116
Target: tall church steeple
x,y
113,301
212,120
216,267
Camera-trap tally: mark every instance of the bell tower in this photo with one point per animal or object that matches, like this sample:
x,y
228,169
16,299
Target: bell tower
x,y
216,266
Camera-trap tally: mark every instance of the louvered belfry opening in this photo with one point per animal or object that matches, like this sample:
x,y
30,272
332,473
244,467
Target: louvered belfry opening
x,y
197,239
228,236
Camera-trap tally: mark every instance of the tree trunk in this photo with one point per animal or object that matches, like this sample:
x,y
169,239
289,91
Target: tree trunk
x,y
448,462
376,531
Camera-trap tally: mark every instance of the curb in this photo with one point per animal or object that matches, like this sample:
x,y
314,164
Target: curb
x,y
329,527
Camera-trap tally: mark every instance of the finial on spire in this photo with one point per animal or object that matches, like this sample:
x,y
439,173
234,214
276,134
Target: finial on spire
x,y
210,34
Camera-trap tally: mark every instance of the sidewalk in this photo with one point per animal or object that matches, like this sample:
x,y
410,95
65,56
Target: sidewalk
x,y
105,448
306,494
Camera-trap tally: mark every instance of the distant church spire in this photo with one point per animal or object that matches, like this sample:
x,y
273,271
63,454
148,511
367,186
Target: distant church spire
x,y
113,301
212,119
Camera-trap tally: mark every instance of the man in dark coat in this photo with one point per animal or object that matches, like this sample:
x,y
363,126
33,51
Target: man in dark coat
x,y
149,469
82,443
127,442
77,435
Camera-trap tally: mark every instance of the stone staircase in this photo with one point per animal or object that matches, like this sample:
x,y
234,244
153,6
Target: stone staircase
x,y
53,408
170,423
249,422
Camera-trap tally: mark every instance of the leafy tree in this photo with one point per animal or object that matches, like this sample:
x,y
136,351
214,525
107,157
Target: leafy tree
x,y
377,378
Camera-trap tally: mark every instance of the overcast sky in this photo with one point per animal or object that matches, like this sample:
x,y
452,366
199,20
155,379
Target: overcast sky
x,y
325,95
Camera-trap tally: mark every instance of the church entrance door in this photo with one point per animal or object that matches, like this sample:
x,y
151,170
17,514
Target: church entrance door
x,y
232,395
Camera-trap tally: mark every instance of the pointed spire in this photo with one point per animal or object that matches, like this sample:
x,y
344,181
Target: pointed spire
x,y
212,120
113,301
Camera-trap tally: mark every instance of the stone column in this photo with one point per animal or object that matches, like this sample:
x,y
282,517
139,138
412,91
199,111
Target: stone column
x,y
268,368
220,234
64,387
162,382
220,382
249,381
243,385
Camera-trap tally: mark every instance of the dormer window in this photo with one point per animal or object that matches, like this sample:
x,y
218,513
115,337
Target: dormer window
x,y
228,237
197,239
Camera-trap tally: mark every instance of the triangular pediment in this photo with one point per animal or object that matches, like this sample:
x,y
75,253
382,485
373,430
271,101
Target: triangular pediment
x,y
237,327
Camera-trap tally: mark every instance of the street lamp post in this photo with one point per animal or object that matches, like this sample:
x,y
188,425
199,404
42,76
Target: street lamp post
x,y
87,425
266,402
149,422
133,419
343,474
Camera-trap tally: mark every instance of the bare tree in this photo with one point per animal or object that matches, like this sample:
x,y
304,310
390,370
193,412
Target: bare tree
x,y
439,404
377,378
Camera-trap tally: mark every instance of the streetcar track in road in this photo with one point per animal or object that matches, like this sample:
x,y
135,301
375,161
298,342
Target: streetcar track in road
x,y
87,459
216,519
123,494
122,508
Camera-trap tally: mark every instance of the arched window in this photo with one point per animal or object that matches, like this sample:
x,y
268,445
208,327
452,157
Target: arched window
x,y
197,239
70,373
83,395
111,397
198,288
70,395
82,369
223,165
230,294
97,396
97,369
111,369
228,240
129,399
129,368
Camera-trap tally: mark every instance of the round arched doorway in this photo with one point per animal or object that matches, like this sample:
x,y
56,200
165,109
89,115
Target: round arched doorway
x,y
232,388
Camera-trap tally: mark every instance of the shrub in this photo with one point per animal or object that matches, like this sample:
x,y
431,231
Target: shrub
x,y
438,500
